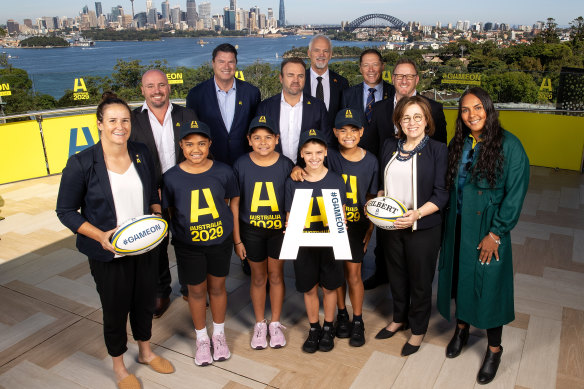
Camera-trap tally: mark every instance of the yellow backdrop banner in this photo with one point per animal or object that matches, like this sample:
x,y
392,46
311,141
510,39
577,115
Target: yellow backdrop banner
x,y
21,152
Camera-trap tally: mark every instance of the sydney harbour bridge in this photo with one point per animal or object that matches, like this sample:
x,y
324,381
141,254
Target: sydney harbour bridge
x,y
376,20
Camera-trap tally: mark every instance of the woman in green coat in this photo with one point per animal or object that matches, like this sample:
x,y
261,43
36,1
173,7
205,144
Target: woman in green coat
x,y
488,175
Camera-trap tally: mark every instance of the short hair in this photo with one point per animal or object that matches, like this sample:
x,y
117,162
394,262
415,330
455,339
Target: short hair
x,y
405,60
286,61
370,51
320,36
109,98
225,48
401,107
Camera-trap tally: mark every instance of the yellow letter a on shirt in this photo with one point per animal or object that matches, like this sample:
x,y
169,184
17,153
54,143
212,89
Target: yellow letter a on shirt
x,y
270,202
196,211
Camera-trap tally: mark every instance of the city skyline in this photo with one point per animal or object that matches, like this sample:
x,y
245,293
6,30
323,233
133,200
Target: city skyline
x,y
333,12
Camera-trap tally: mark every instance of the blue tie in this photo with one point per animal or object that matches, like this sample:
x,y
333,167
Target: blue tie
x,y
370,101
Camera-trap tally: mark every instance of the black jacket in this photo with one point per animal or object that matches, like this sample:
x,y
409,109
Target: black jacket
x,y
337,85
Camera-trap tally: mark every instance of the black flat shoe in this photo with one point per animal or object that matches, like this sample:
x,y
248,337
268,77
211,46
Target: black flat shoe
x,y
386,334
458,341
409,349
490,365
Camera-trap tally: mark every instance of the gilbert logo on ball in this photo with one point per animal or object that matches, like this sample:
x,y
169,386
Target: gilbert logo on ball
x,y
383,211
139,235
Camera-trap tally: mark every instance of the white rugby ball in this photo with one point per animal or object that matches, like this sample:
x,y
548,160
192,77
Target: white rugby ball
x,y
383,211
139,235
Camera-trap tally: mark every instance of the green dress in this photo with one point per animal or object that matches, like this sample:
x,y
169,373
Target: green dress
x,y
485,292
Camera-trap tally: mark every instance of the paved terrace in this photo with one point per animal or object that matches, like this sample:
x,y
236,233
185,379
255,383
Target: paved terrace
x,y
51,330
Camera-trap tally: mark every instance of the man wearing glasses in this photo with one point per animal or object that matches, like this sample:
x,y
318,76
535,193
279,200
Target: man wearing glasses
x,y
405,78
363,96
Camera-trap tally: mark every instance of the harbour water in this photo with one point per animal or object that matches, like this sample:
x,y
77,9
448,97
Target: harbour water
x,y
54,70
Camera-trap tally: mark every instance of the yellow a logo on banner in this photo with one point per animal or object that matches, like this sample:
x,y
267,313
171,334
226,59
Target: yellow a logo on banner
x,y
79,85
239,75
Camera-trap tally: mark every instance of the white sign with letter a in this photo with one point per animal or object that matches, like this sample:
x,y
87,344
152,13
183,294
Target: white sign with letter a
x,y
336,238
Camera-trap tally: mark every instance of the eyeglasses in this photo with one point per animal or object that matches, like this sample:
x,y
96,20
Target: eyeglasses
x,y
417,118
408,77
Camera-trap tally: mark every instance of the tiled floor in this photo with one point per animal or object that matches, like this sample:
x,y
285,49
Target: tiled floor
x,y
51,332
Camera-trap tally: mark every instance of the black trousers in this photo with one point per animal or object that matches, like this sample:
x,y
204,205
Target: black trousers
x,y
126,285
380,263
493,334
163,287
411,262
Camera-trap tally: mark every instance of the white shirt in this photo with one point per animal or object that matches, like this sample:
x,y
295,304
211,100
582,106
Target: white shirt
x,y
398,181
226,102
290,123
128,194
326,86
163,137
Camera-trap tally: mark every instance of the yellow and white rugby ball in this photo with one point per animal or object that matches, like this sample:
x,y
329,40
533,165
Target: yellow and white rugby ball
x,y
383,211
139,235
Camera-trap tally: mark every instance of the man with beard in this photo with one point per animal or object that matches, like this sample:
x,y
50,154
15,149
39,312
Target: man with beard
x,y
292,112
157,124
321,82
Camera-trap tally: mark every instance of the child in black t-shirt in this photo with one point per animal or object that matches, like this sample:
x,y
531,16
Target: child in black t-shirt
x,y
197,193
316,266
359,169
258,231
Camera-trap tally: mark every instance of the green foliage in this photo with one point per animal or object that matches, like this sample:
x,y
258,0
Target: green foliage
x,y
549,34
44,41
511,87
349,70
263,76
338,52
3,32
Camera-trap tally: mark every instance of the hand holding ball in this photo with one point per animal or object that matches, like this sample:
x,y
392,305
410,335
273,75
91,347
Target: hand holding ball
x,y
139,235
383,211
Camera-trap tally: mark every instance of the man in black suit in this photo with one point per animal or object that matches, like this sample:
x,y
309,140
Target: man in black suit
x,y
157,124
226,104
363,96
321,82
405,78
293,112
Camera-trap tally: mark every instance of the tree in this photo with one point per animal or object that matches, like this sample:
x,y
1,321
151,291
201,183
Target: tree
x,y
577,35
550,31
263,76
3,32
511,87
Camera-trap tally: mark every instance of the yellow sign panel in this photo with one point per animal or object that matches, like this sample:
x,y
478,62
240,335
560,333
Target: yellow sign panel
x,y
545,90
386,76
66,136
175,78
462,78
239,75
6,93
80,90
5,90
21,152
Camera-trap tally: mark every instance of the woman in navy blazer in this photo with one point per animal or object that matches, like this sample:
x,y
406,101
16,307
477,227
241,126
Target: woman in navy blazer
x,y
414,171
112,174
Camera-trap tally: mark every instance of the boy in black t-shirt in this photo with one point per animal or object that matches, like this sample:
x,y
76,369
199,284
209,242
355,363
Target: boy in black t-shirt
x,y
197,193
258,231
359,169
316,266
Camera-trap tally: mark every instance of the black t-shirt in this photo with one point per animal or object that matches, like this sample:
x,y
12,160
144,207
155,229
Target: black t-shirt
x,y
262,190
317,215
361,179
201,217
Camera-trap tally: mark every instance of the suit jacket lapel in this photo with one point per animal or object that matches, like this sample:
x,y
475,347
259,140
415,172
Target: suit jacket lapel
x,y
307,110
177,119
239,101
215,103
144,123
101,172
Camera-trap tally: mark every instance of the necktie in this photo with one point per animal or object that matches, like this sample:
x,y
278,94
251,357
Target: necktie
x,y
370,101
319,90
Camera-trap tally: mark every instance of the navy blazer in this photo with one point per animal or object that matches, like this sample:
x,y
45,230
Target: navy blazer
x,y
353,98
142,132
313,115
226,146
85,185
431,163
337,85
382,120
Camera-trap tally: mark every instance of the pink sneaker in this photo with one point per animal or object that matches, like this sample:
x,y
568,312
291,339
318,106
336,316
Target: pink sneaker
x,y
259,340
203,352
277,338
220,348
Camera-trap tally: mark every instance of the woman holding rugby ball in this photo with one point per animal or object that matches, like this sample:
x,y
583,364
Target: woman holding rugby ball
x,y
102,187
414,172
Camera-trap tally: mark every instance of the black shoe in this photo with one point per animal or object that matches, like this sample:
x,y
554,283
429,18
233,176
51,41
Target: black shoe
x,y
386,334
162,304
373,282
311,343
245,267
326,341
409,349
357,334
457,342
343,326
490,365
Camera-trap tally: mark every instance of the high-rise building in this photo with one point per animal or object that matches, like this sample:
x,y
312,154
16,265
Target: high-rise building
x,y
192,15
148,5
229,18
116,12
282,14
205,13
12,26
152,16
175,15
28,23
466,25
165,10
85,9
233,5
459,25
98,9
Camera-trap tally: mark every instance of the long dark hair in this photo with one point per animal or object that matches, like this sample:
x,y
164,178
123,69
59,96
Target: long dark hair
x,y
489,165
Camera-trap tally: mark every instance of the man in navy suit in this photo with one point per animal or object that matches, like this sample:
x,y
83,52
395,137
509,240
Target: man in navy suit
x,y
321,82
157,124
293,112
362,96
226,104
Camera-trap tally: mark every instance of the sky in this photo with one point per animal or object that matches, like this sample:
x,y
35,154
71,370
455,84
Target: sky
x,y
428,12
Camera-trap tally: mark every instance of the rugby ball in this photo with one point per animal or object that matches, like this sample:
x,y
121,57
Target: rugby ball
x,y
139,235
383,211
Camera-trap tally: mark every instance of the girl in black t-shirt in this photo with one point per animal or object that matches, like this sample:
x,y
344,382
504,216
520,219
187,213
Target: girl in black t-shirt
x,y
258,231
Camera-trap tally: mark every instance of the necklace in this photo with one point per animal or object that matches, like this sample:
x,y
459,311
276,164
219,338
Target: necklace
x,y
409,154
